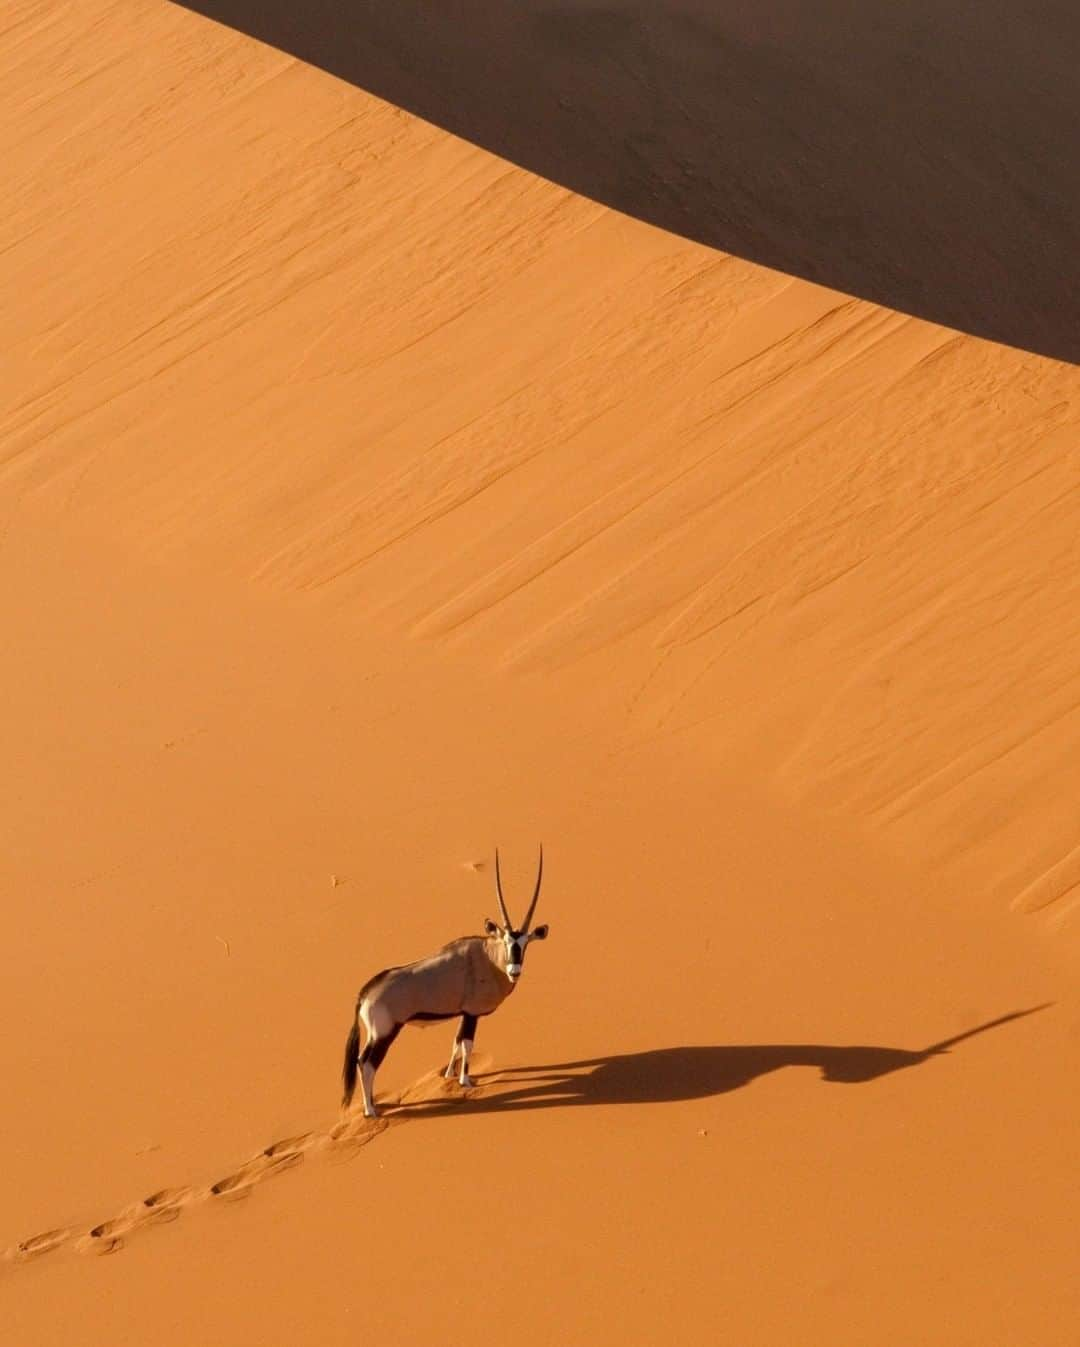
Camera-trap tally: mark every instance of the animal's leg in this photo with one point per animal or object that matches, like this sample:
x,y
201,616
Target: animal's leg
x,y
448,1074
367,1079
465,1036
375,1049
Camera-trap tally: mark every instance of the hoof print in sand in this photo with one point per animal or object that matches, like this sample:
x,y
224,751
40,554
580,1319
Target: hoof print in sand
x,y
169,1197
262,1167
350,1136
100,1244
292,1145
233,1186
37,1245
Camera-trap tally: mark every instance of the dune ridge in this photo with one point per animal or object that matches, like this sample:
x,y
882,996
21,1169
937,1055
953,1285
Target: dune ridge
x,y
917,157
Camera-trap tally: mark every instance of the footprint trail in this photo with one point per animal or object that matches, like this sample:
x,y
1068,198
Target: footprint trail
x,y
166,1205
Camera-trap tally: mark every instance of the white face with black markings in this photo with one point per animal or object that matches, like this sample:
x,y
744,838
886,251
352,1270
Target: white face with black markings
x,y
514,945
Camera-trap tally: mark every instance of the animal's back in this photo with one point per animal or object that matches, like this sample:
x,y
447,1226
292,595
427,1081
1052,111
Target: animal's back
x,y
426,988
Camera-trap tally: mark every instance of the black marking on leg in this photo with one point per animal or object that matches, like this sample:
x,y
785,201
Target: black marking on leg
x,y
467,1028
381,1046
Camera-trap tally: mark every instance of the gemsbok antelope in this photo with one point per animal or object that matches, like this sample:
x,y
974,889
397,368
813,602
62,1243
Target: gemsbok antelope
x,y
470,977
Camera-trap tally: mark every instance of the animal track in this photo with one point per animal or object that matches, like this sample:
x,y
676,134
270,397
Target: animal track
x,y
36,1245
271,1161
167,1204
290,1145
171,1197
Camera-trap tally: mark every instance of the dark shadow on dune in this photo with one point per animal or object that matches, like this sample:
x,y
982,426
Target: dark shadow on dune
x,y
921,155
664,1075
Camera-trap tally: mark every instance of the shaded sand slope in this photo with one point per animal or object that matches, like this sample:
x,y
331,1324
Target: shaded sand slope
x,y
919,155
365,500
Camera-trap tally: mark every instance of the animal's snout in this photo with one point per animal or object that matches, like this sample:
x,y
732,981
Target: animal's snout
x,y
513,971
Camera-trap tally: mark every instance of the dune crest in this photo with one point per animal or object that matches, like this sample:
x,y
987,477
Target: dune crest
x,y
920,157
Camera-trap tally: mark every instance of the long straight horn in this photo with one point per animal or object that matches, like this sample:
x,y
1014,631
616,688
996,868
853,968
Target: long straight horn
x,y
499,893
536,891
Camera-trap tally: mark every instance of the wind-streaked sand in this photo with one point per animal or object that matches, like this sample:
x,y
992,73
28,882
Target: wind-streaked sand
x,y
366,501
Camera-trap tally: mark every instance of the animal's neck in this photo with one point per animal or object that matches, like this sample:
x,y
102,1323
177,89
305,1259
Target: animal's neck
x,y
495,950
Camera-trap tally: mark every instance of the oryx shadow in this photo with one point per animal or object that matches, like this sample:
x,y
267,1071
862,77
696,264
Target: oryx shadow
x,y
667,1075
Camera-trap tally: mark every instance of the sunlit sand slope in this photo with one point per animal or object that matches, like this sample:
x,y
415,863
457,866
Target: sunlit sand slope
x,y
260,320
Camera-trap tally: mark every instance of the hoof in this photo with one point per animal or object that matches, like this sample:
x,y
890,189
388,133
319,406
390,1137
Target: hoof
x,y
466,1082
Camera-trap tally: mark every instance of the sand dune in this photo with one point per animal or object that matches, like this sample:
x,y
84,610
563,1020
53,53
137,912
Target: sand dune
x,y
366,500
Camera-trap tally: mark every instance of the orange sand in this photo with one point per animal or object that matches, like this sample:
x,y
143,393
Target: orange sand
x,y
366,501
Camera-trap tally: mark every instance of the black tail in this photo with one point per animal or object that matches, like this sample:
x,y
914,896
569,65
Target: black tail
x,y
348,1071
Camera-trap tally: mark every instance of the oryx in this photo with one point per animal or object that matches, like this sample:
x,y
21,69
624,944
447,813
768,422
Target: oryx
x,y
470,977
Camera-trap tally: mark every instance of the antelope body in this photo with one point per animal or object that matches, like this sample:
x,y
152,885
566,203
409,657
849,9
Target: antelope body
x,y
470,977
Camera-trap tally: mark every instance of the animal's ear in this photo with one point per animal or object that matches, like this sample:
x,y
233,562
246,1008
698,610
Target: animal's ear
x,y
540,933
490,927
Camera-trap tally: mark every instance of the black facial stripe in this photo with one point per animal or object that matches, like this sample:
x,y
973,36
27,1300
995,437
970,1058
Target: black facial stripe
x,y
515,952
